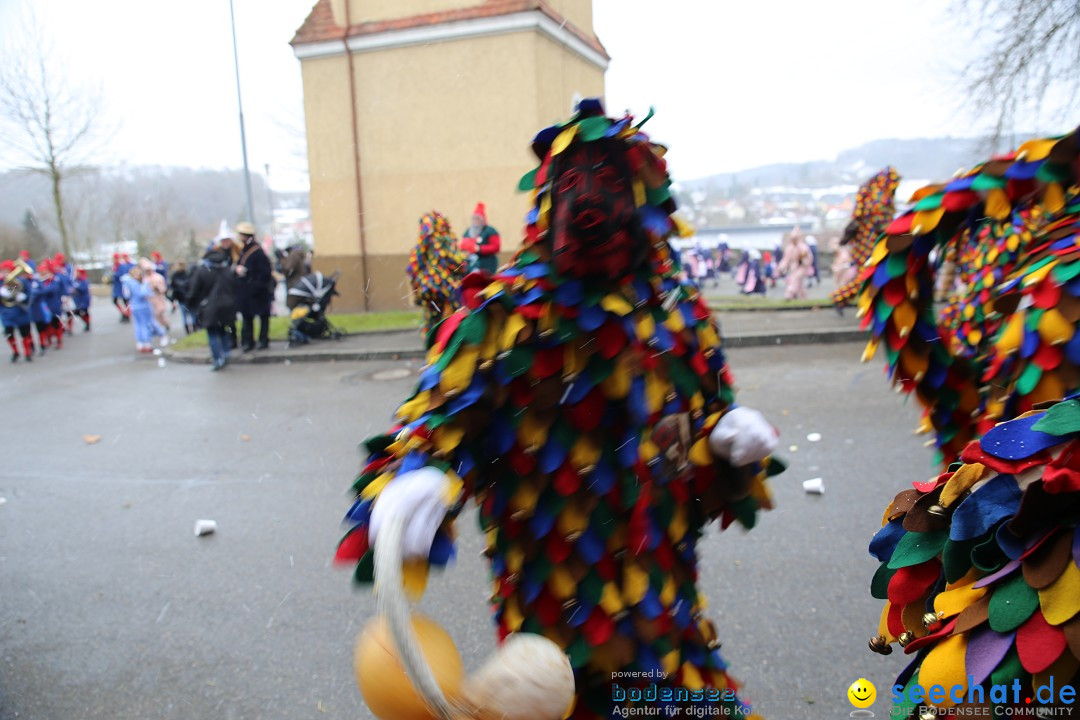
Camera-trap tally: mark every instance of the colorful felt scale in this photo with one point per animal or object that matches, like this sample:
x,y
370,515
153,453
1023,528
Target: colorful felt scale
x,y
576,415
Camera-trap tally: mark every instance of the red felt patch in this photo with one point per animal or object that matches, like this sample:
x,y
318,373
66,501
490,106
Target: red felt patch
x,y
1047,294
611,339
959,200
547,362
895,620
547,609
521,462
1039,643
605,567
567,481
352,547
587,414
598,628
944,631
1063,473
901,225
1048,357
449,326
910,583
895,291
558,549
975,454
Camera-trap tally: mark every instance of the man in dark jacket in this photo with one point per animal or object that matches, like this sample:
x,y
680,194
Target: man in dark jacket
x,y
254,288
212,297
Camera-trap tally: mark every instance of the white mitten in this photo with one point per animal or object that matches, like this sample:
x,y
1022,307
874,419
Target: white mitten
x,y
422,497
742,436
5,292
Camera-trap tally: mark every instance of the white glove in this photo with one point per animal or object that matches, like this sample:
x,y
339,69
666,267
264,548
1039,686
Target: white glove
x,y
422,497
742,436
5,292
20,298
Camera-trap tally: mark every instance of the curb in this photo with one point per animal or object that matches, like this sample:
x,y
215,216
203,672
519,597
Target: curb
x,y
746,340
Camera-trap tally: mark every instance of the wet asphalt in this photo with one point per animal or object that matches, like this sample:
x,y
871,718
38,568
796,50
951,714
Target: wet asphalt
x,y
111,607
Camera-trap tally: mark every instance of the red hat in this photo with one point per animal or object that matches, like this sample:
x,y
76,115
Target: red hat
x,y
156,255
80,274
45,266
481,211
7,265
24,254
59,257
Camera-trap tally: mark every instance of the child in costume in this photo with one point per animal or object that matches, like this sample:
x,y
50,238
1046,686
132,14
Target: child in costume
x,y
138,293
435,270
581,398
42,292
15,295
980,566
80,296
121,265
874,209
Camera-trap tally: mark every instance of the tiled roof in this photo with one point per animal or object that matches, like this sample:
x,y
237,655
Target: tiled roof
x,y
319,25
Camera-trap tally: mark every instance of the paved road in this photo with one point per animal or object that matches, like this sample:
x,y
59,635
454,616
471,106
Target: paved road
x,y
111,608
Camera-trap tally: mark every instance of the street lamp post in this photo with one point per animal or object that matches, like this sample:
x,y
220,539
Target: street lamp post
x,y
240,105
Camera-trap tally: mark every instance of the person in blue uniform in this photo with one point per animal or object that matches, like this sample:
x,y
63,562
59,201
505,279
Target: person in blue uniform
x,y
121,265
15,311
80,296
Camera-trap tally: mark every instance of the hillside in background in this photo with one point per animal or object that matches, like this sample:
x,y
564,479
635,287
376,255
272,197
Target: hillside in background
x,y
922,158
173,210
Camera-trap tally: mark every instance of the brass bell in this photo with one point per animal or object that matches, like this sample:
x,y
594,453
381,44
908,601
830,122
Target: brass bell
x,y
905,638
928,714
931,620
486,365
880,645
937,511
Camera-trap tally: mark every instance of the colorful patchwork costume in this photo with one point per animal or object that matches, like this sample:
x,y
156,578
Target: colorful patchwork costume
x,y
981,567
1007,340
436,268
873,212
582,400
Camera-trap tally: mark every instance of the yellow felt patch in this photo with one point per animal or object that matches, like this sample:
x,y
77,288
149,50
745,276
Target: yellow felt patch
x,y
561,582
414,575
926,220
870,350
640,198
617,384
904,316
514,325
684,228
572,520
655,392
515,558
563,140
1037,276
675,322
611,600
635,584
585,453
945,666
678,525
458,374
412,409
512,615
953,601
1054,328
997,204
961,482
616,304
524,500
1053,198
667,595
691,678
532,433
1061,600
670,662
1012,335
376,486
699,453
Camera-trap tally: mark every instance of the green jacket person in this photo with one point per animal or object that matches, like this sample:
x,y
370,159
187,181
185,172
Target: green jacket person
x,y
481,242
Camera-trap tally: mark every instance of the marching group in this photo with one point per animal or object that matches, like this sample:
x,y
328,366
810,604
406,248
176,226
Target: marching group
x,y
41,298
39,301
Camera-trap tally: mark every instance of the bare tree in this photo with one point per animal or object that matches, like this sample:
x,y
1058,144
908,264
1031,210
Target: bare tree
x,y
50,125
1032,58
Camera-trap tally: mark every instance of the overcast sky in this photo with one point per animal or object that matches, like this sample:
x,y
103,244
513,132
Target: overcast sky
x,y
735,84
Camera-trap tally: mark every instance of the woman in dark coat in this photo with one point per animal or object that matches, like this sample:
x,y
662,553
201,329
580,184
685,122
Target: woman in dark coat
x,y
212,297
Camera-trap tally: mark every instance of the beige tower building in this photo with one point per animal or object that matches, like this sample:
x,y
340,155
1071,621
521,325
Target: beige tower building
x,y
415,105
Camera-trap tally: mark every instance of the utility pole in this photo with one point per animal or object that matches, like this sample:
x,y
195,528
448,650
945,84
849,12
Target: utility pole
x,y
269,199
240,105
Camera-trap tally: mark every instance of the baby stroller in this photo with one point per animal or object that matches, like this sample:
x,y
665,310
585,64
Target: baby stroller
x,y
310,300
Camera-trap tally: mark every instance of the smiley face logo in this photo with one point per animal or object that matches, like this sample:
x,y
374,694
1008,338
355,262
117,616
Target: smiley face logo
x,y
862,693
